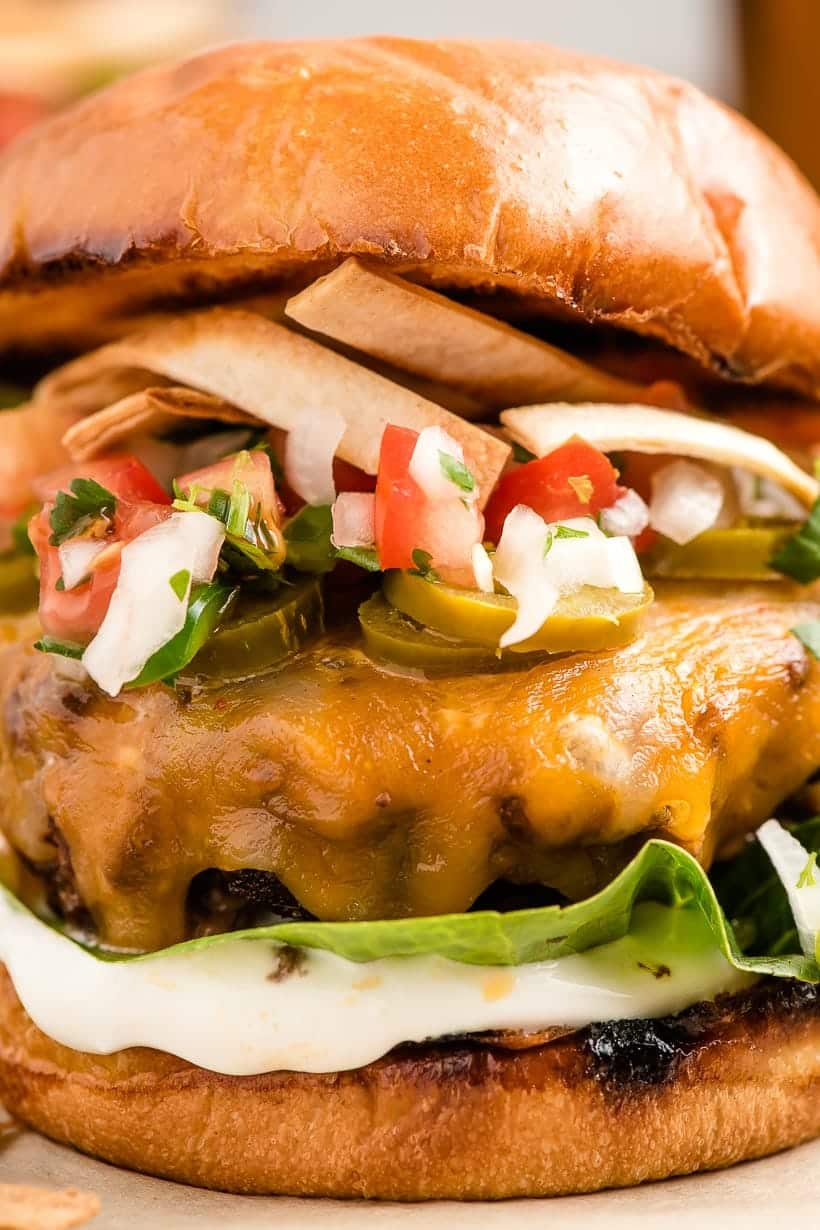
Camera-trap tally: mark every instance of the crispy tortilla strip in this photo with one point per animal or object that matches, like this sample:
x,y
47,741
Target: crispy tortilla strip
x,y
275,375
150,412
432,390
646,429
423,332
35,1208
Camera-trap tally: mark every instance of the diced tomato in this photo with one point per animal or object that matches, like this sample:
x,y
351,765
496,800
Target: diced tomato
x,y
407,520
125,476
399,499
575,480
252,469
76,614
645,540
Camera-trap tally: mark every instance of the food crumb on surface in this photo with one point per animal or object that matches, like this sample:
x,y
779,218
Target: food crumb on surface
x,y
37,1208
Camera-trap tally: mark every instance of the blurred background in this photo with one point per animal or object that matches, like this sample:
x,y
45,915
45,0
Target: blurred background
x,y
759,55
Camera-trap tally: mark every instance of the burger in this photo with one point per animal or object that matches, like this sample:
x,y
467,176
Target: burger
x,y
407,779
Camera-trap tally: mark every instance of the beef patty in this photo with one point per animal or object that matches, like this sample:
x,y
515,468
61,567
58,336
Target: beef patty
x,y
374,794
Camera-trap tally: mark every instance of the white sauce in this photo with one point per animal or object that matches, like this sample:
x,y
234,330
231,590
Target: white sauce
x,y
219,1006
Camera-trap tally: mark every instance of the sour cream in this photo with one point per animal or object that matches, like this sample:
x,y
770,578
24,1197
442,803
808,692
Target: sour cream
x,y
246,1006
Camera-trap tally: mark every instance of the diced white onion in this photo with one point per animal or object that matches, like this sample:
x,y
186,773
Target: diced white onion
x,y
686,501
310,448
76,557
761,497
449,531
606,563
789,859
426,466
621,568
482,569
537,565
519,566
145,611
354,519
628,516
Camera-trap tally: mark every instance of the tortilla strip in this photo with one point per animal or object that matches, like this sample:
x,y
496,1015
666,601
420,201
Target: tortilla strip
x,y
455,400
421,331
275,375
150,412
647,429
36,1208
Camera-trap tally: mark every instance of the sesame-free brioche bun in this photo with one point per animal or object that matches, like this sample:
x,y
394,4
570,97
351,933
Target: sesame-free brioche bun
x,y
610,1106
577,189
586,188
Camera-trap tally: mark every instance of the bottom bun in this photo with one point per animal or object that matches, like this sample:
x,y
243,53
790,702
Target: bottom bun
x,y
609,1106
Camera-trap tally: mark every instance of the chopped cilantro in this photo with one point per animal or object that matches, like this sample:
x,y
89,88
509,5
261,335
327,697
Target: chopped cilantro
x,y
799,557
422,561
75,512
179,583
562,531
219,505
251,545
364,557
806,878
66,649
456,471
239,510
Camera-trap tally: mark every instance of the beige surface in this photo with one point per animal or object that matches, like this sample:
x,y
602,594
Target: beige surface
x,y
745,1198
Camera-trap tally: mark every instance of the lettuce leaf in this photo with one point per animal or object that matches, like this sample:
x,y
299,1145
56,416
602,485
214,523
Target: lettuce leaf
x,y
745,909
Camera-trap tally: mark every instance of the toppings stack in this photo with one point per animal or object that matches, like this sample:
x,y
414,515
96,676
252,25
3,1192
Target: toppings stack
x,y
538,534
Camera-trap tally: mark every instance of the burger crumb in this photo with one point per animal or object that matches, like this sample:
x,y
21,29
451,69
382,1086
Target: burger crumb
x,y
657,971
383,800
287,962
36,1208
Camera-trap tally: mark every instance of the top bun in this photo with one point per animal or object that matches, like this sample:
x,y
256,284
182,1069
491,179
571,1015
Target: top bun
x,y
600,191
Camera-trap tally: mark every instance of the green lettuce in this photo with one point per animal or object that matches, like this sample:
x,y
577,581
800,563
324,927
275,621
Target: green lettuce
x,y
744,907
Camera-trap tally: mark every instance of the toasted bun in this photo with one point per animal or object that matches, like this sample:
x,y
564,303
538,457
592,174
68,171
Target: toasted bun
x,y
603,192
611,1106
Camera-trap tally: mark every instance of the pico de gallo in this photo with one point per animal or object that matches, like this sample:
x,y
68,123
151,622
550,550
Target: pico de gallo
x,y
227,572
